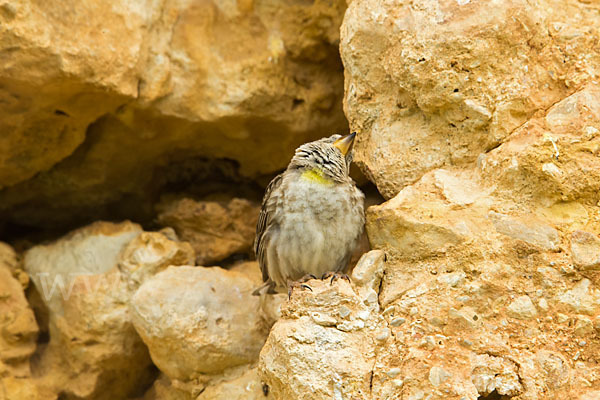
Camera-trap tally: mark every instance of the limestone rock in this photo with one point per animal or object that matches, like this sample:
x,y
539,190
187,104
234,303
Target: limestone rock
x,y
167,81
86,281
522,308
151,252
215,230
198,320
322,346
422,103
586,250
477,316
532,232
18,328
552,161
246,387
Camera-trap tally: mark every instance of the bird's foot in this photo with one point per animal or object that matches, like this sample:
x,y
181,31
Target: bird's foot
x,y
297,284
306,278
335,275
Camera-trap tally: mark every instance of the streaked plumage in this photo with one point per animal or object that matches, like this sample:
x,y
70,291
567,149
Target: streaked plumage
x,y
312,215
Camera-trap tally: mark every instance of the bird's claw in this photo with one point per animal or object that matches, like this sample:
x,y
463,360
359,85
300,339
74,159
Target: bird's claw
x,y
335,276
300,285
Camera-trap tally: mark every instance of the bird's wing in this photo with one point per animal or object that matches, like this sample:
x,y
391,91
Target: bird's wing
x,y
265,217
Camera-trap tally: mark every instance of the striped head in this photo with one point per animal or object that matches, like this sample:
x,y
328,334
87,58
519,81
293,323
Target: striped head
x,y
325,160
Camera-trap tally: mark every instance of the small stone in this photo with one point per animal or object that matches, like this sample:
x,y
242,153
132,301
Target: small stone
x,y
383,335
344,311
585,249
417,396
371,297
414,311
398,383
583,326
364,315
397,321
562,318
579,298
438,375
394,372
522,308
323,319
543,304
389,310
465,317
369,269
452,279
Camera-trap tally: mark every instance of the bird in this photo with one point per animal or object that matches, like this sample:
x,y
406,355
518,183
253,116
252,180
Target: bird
x,y
311,218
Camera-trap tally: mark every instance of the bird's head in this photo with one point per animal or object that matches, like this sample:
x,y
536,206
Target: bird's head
x,y
326,159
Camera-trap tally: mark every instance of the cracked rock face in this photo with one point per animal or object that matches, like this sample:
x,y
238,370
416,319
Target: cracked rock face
x,y
494,292
435,83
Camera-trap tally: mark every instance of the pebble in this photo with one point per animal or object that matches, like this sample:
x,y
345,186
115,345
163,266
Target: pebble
x,y
389,310
522,308
397,321
438,375
383,335
394,372
344,311
398,383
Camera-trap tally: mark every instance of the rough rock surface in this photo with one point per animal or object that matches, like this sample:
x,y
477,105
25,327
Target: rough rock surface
x,y
18,330
199,321
323,346
435,83
216,230
86,280
493,291
479,121
168,81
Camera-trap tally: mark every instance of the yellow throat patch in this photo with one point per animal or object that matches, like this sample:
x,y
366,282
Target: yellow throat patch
x,y
316,175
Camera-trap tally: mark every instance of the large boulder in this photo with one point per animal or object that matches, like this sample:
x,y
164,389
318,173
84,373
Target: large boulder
x,y
151,94
86,280
199,321
432,84
18,329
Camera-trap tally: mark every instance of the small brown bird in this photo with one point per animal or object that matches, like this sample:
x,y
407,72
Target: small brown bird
x,y
312,216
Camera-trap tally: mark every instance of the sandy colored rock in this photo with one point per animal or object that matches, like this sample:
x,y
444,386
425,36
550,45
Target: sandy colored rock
x,y
169,82
198,320
421,103
585,247
522,308
216,230
532,232
246,387
86,280
151,252
499,312
554,166
18,328
322,347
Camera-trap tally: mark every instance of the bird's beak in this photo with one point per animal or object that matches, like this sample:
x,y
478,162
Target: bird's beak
x,y
345,143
